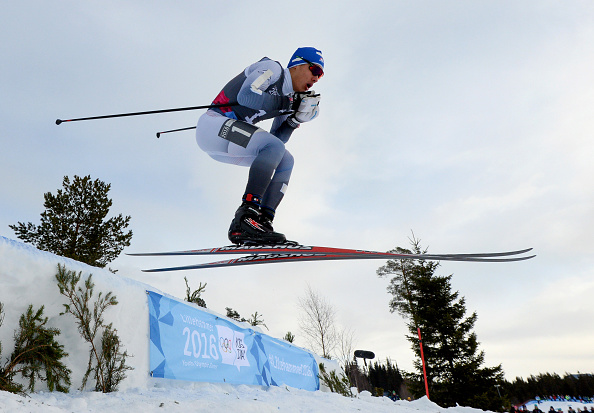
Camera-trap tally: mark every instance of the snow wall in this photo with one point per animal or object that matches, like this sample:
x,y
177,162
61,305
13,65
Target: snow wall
x,y
181,341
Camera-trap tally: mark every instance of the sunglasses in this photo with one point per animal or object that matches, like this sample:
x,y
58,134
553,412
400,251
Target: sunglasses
x,y
314,68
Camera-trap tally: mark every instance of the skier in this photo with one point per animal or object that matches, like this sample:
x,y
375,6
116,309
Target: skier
x,y
264,90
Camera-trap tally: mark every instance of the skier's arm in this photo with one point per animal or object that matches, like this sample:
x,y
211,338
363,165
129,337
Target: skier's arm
x,y
281,128
260,76
307,110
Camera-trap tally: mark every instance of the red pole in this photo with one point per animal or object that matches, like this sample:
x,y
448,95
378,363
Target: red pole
x,y
423,361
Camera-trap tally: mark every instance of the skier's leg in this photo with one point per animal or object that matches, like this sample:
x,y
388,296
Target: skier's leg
x,y
277,188
266,154
239,143
248,225
242,145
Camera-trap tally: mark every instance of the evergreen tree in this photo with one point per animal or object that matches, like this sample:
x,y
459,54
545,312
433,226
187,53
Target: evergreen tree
x,y
386,376
107,362
255,320
194,297
337,384
549,384
74,224
453,360
36,355
231,313
113,361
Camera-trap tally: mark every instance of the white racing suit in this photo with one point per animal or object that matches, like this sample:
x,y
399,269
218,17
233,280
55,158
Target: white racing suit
x,y
263,91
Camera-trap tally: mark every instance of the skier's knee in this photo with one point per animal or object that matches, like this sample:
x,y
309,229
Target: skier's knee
x,y
287,163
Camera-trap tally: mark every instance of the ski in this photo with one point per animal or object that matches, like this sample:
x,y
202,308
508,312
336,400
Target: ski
x,y
319,256
297,248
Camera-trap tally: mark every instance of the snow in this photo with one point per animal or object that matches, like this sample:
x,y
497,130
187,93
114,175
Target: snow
x,y
207,397
27,277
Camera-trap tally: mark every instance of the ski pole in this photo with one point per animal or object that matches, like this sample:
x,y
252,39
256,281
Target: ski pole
x,y
150,112
175,130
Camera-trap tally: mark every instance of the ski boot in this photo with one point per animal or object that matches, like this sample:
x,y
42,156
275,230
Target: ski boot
x,y
248,227
266,217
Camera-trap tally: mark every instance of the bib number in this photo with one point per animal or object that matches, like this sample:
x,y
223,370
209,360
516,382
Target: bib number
x,y
237,132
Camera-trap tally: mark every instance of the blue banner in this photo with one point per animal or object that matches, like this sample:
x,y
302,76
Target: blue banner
x,y
191,344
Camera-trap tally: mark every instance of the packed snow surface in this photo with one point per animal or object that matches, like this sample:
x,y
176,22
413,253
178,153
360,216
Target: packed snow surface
x,y
206,397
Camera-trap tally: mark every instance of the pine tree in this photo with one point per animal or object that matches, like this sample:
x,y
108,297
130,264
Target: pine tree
x,y
194,297
255,320
549,384
113,361
107,363
453,360
74,224
386,376
336,384
36,355
7,371
231,313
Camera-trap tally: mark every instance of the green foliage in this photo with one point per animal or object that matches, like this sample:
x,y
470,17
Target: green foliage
x,y
231,313
73,224
546,384
340,385
290,337
112,360
194,297
386,376
453,360
106,363
8,371
36,355
254,320
378,391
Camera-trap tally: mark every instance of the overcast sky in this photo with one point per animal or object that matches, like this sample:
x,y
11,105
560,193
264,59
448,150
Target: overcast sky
x,y
470,123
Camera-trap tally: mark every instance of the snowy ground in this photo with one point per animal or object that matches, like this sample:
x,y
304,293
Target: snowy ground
x,y
207,397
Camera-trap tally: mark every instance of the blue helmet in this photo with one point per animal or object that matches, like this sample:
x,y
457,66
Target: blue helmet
x,y
310,54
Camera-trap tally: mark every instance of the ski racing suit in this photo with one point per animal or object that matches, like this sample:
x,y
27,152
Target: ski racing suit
x,y
227,134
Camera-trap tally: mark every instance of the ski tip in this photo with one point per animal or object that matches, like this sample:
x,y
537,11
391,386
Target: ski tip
x,y
519,258
527,257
